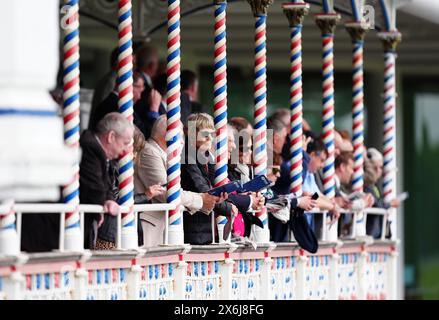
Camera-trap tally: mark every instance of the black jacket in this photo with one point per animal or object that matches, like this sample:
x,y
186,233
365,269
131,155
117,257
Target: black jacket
x,y
198,227
97,185
201,178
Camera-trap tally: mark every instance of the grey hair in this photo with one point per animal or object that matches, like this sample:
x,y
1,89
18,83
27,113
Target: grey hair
x,y
159,127
374,155
275,124
113,121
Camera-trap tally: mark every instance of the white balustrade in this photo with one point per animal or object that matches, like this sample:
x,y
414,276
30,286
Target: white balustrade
x,y
354,269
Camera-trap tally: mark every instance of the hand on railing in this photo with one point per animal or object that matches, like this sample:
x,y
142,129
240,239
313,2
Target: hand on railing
x,y
112,208
306,203
335,214
395,203
154,191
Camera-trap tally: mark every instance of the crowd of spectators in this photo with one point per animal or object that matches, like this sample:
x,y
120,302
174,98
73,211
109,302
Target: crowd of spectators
x,y
109,135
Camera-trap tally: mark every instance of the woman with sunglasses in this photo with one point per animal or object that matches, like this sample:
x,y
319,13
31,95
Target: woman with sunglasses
x,y
198,175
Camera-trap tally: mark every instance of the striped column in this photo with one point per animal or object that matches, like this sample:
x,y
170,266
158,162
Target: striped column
x,y
295,13
173,134
259,8
125,104
357,33
220,104
73,239
390,41
9,242
327,23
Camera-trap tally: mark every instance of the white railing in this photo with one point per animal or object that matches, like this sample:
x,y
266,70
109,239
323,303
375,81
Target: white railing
x,y
357,268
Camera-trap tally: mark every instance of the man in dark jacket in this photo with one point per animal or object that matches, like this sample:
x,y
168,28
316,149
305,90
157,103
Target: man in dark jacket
x,y
112,138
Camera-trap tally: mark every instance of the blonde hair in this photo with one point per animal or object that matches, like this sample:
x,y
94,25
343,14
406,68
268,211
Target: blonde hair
x,y
139,142
202,121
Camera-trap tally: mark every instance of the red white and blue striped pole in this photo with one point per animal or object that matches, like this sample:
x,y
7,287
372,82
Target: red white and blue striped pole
x,y
259,8
327,23
73,239
125,104
295,13
390,39
173,134
357,31
220,104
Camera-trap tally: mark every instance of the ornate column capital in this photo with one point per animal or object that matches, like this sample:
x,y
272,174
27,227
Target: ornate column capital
x,y
260,7
390,40
327,22
295,12
357,31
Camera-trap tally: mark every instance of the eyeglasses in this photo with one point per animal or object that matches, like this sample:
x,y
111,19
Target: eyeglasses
x,y
207,133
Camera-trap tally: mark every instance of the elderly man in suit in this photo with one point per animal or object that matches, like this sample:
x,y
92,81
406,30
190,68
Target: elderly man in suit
x,y
112,137
150,169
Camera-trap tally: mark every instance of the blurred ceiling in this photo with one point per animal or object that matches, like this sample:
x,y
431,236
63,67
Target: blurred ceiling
x,y
418,53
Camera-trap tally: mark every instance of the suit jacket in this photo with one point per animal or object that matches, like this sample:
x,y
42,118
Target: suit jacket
x,y
150,169
96,184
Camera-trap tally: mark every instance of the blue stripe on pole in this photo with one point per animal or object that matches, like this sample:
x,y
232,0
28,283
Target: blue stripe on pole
x,y
173,83
260,98
71,196
126,197
125,77
127,45
125,16
177,222
71,36
71,99
75,225
125,167
71,67
71,132
260,124
129,224
219,91
171,198
173,27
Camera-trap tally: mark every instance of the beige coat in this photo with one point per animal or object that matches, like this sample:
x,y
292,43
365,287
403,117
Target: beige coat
x,y
150,169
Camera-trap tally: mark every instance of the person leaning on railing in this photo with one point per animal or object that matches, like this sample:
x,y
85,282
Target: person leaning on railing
x,y
344,170
111,138
149,170
373,171
239,169
314,160
280,170
198,175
